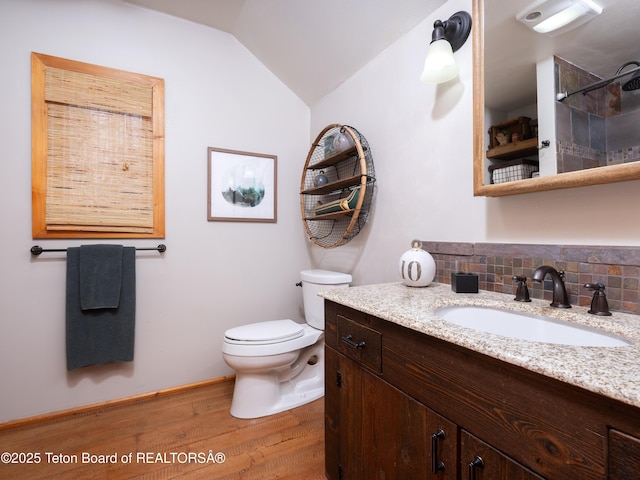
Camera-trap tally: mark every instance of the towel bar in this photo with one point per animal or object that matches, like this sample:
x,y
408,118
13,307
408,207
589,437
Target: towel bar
x,y
36,250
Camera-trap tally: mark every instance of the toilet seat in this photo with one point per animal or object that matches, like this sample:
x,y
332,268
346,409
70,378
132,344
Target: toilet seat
x,y
269,338
264,333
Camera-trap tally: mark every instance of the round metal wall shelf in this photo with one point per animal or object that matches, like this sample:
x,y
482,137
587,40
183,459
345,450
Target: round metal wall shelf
x,y
337,186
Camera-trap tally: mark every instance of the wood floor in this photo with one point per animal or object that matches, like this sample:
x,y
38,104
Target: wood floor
x,y
171,437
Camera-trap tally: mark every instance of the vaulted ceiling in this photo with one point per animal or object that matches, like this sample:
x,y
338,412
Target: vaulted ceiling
x,y
312,46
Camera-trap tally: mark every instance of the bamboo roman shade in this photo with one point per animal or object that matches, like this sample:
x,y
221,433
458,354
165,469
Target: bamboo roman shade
x,y
97,151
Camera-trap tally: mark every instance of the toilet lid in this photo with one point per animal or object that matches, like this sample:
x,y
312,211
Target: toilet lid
x,y
275,331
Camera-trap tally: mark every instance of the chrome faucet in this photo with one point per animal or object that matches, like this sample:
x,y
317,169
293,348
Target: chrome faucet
x,y
560,298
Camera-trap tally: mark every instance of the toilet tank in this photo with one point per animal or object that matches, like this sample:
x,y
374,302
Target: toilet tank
x,y
314,281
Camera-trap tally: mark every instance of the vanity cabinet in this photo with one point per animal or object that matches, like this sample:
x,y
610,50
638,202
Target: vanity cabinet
x,y
373,430
391,389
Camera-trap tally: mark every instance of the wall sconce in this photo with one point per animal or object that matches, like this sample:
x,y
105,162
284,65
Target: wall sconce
x,y
447,37
558,16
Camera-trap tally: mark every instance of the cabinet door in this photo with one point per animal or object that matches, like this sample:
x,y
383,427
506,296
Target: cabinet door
x,y
624,456
372,429
331,414
394,432
479,461
344,457
443,454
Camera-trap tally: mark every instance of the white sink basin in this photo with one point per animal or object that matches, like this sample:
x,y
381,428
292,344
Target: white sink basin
x,y
524,326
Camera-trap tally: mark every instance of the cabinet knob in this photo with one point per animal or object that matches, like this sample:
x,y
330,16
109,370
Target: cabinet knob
x,y
474,465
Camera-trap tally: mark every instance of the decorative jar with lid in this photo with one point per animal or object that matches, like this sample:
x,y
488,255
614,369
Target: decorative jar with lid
x,y
417,267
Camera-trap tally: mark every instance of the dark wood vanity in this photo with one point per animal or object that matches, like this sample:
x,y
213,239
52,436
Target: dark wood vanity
x,y
401,404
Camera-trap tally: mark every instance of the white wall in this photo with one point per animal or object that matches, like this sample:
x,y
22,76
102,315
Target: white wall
x,y
214,275
420,136
421,142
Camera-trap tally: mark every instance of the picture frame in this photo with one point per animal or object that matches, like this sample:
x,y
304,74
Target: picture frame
x,y
241,186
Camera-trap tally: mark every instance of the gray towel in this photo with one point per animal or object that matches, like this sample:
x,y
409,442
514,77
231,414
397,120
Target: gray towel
x,y
100,276
99,336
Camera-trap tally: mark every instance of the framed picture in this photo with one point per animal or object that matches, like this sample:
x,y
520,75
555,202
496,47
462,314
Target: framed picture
x,y
242,186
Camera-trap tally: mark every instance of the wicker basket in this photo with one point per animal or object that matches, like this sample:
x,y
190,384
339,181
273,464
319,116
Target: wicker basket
x,y
513,170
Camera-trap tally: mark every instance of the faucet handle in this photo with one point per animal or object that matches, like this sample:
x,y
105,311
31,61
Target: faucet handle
x,y
522,292
596,287
599,304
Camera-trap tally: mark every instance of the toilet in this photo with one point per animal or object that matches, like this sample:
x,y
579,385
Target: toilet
x,y
279,364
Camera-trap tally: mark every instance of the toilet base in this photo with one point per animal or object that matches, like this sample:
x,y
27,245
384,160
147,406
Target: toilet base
x,y
286,402
258,394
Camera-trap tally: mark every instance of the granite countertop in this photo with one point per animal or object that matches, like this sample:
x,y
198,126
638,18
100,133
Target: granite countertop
x,y
610,371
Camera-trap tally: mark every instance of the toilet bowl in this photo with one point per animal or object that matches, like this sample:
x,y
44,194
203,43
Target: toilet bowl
x,y
279,364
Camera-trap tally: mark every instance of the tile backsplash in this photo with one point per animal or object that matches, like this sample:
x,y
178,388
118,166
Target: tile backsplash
x,y
618,268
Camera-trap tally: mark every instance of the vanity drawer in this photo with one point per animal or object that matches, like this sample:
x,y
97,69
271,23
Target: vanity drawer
x,y
360,343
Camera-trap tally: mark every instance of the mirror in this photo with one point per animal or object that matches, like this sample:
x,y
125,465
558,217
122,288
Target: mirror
x,y
496,57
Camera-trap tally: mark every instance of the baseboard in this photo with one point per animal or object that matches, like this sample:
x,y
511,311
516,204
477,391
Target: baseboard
x,y
94,407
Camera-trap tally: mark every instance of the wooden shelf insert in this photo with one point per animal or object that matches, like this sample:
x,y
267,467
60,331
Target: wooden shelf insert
x,y
332,216
335,159
334,186
514,150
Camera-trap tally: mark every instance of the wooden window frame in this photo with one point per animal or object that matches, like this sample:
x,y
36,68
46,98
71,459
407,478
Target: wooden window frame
x,y
40,144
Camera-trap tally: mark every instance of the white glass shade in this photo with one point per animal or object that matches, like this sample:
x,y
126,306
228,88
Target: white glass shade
x,y
439,66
